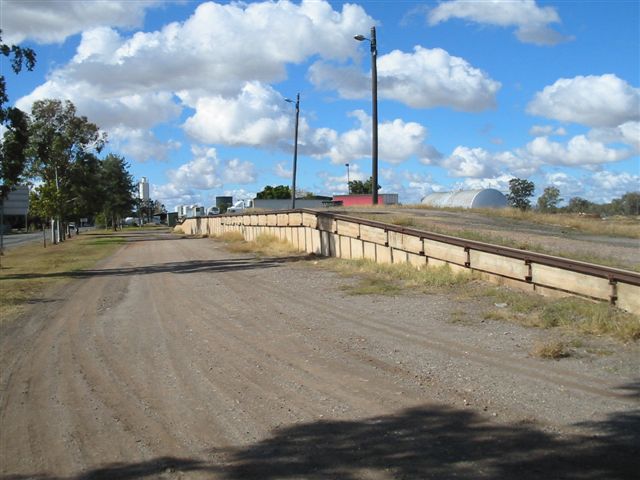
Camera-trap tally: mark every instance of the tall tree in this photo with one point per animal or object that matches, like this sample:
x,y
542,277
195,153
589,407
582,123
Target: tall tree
x,y
119,188
279,192
520,190
357,187
12,150
60,142
548,201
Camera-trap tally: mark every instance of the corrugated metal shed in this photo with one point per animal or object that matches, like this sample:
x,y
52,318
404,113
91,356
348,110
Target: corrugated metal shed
x,y
485,198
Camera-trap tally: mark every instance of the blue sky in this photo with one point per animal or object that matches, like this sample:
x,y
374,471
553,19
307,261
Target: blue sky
x,y
471,93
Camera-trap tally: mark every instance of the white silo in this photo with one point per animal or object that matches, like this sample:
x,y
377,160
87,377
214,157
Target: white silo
x,y
143,190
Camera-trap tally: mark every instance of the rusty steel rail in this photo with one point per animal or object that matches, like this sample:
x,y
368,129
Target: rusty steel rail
x,y
610,273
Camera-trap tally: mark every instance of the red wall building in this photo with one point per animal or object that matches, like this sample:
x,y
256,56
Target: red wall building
x,y
351,200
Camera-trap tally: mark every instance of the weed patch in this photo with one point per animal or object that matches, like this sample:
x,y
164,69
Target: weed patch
x,y
29,270
553,350
263,245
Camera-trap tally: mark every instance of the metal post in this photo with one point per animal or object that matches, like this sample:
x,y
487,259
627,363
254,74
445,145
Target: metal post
x,y
348,180
374,117
295,154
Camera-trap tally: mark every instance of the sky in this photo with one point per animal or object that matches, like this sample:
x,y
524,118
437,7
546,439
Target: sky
x,y
470,93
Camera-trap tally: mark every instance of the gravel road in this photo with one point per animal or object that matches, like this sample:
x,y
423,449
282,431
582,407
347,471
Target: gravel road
x,y
177,359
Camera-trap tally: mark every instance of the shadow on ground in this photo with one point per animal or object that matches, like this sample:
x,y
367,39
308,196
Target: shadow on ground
x,y
418,443
191,266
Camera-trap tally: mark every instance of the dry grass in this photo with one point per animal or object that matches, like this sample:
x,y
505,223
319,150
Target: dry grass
x,y
553,350
618,226
29,270
263,245
178,229
391,279
571,314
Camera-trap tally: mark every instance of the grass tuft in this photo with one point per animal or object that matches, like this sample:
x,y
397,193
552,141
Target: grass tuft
x,y
553,350
266,245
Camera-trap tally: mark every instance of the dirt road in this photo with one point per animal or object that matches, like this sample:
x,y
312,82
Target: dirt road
x,y
177,359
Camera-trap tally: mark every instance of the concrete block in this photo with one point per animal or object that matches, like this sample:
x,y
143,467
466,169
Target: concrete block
x,y
573,282
309,220
506,281
325,243
315,245
272,220
408,243
295,219
373,234
398,256
489,262
418,261
283,219
383,254
345,247
326,224
262,220
628,297
357,249
443,251
369,251
348,229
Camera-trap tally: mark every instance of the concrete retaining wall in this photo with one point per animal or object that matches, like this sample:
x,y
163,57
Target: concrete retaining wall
x,y
350,238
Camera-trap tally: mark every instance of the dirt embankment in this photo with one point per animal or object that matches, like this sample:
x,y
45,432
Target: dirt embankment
x,y
177,359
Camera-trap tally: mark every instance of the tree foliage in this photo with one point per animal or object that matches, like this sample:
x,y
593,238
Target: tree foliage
x,y
12,150
358,187
118,187
549,200
279,192
520,190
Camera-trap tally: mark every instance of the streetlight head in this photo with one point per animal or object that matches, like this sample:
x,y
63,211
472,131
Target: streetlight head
x,y
360,38
288,100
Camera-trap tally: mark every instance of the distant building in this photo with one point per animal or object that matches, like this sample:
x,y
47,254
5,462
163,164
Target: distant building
x,y
366,199
485,198
143,190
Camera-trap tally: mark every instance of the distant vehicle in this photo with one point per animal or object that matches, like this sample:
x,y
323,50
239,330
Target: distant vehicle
x,y
213,211
239,206
131,221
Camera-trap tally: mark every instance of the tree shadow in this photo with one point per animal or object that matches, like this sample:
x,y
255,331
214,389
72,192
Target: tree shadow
x,y
419,443
191,266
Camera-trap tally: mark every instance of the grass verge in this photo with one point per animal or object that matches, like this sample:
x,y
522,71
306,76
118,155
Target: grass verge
x,y
263,245
570,314
27,271
391,279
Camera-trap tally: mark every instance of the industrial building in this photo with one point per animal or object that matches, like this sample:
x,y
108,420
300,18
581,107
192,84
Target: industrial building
x,y
366,199
484,198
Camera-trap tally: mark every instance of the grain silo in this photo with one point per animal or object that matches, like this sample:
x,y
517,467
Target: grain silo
x,y
485,198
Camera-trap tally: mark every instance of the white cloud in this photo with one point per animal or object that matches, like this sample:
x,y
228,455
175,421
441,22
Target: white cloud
x,y
628,133
469,162
531,21
546,130
580,151
596,101
397,141
499,182
142,144
239,172
426,78
52,21
282,170
258,116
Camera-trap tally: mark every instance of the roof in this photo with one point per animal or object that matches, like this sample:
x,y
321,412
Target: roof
x,y
484,198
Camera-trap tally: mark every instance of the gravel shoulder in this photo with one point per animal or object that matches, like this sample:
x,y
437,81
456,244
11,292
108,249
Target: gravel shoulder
x,y
178,359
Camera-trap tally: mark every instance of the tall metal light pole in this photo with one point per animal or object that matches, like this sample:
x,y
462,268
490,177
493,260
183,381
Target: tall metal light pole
x,y
348,179
295,151
374,113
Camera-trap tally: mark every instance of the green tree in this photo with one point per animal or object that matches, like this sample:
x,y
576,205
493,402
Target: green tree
x,y
357,187
61,145
279,192
579,205
12,150
520,190
548,201
119,186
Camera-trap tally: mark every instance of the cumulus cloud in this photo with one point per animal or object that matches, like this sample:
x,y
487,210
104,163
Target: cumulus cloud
x,y
257,116
531,21
546,130
628,133
52,21
578,151
595,101
142,144
499,182
283,170
469,162
425,78
397,141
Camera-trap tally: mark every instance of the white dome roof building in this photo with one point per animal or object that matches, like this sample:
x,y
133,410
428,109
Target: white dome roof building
x,y
485,198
